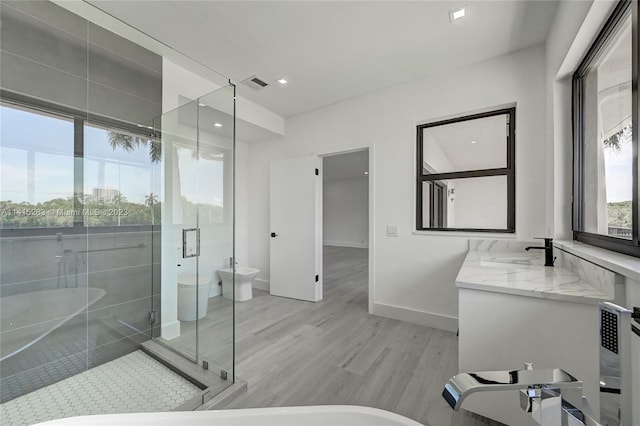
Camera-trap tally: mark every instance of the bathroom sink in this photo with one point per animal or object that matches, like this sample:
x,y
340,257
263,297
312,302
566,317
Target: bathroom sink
x,y
504,265
511,262
523,260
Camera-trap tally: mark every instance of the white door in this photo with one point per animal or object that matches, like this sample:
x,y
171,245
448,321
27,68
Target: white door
x,y
296,228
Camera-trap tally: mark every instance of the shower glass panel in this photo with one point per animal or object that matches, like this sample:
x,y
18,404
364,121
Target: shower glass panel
x,y
178,134
122,184
196,319
216,112
44,293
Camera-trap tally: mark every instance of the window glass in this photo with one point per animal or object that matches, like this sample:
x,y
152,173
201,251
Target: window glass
x,y
607,148
36,169
119,184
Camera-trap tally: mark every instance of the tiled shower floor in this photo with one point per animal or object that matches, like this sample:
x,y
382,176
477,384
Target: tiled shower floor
x,y
133,383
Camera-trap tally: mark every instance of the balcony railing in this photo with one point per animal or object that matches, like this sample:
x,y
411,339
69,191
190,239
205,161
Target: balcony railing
x,y
618,231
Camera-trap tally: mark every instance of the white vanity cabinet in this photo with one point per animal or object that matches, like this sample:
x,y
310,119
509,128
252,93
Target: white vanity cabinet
x,y
513,310
501,331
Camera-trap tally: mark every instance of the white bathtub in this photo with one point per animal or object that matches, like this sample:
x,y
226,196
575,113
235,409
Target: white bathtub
x,y
320,415
29,317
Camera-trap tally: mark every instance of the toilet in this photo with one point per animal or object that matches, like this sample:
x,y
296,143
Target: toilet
x,y
244,282
187,296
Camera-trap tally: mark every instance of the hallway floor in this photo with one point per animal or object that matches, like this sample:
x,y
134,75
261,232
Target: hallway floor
x,y
293,352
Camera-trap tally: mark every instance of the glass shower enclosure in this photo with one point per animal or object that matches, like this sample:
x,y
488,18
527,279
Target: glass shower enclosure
x,y
111,238
196,320
113,223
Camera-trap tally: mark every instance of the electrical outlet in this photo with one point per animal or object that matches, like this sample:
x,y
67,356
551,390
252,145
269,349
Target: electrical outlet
x,y
392,230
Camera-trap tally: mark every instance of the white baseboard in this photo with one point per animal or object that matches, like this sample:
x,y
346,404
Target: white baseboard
x,y
343,244
429,319
261,284
171,330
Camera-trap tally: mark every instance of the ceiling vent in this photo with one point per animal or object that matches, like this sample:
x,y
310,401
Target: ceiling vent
x,y
255,83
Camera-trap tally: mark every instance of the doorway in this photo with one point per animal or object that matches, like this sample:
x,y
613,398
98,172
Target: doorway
x,y
345,224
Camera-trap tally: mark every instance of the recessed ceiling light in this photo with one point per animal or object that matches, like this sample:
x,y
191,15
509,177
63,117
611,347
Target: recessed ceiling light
x,y
282,81
458,13
217,124
474,141
366,173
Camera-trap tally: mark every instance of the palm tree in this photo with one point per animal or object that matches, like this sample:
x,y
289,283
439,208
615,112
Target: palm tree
x,y
150,200
130,142
615,141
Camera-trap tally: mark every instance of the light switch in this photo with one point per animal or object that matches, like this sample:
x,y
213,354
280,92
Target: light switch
x,y
392,230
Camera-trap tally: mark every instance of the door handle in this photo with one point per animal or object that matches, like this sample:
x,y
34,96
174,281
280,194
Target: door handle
x,y
273,235
190,242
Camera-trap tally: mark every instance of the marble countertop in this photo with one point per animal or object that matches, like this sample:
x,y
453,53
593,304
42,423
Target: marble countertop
x,y
619,263
523,273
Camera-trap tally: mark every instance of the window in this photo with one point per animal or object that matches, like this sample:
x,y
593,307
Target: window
x,y
466,173
59,170
36,168
605,139
121,172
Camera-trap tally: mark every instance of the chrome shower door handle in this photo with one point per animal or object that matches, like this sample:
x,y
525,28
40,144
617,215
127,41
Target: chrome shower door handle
x,y
191,242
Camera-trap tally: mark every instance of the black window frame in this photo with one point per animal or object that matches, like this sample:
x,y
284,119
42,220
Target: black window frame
x,y
618,16
80,119
509,171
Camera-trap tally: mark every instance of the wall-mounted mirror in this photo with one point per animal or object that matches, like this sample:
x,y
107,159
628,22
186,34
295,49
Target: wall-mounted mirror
x,y
466,173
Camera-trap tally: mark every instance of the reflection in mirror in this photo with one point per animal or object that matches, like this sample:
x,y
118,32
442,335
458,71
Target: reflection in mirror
x,y
470,203
465,145
466,173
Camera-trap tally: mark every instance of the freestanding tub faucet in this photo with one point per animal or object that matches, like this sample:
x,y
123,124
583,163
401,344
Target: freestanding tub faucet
x,y
540,393
462,385
548,250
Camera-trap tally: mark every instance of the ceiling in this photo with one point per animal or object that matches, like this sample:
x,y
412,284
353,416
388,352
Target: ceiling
x,y
467,145
345,166
334,50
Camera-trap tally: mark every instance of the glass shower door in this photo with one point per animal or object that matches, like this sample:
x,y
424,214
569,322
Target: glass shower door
x,y
178,134
216,148
196,318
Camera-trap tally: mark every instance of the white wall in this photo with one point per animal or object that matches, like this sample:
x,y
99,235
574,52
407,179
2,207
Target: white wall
x,y
414,275
434,156
346,212
480,203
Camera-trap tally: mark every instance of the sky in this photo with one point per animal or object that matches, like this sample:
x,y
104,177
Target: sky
x,y
49,143
618,173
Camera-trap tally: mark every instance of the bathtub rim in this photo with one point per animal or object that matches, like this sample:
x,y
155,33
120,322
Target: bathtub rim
x,y
179,417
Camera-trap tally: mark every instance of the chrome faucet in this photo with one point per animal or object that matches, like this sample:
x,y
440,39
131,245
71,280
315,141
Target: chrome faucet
x,y
540,393
462,385
548,250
